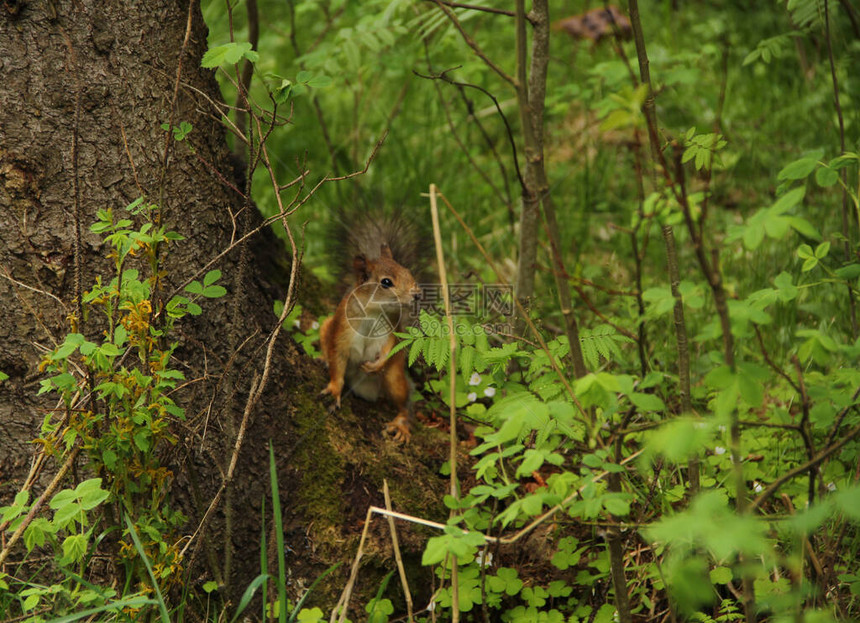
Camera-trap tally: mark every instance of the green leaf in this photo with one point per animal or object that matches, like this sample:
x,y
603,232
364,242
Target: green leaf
x,y
210,586
617,504
720,378
62,498
788,200
143,440
679,439
214,292
229,53
647,402
798,169
211,277
825,176
750,390
721,575
848,501
67,513
310,615
319,82
74,547
786,290
849,272
30,602
435,550
36,533
91,494
69,346
803,227
726,400
567,555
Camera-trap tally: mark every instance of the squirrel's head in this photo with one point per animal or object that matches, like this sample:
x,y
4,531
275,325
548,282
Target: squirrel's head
x,y
394,284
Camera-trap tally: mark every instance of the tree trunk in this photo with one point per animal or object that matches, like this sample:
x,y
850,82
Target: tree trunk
x,y
86,86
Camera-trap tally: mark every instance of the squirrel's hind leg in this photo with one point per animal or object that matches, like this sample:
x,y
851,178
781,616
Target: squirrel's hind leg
x,y
335,361
397,387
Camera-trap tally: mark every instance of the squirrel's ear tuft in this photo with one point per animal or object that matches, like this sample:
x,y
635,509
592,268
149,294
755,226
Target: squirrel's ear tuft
x,y
385,252
359,267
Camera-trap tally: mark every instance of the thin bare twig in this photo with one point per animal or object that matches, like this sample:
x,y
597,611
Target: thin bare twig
x,y
805,467
39,503
471,43
397,556
474,7
452,389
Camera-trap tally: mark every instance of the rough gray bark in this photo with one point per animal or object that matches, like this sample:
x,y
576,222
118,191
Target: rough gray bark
x,y
76,78
86,86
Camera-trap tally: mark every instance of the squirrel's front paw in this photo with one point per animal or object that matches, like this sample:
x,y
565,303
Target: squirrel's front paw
x,y
398,429
331,394
370,367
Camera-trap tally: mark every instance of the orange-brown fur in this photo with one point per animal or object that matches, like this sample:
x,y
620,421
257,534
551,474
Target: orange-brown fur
x,y
358,338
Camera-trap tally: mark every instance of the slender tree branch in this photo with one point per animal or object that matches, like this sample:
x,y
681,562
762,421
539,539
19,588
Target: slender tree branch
x,y
805,467
846,220
471,43
474,7
510,133
246,75
711,270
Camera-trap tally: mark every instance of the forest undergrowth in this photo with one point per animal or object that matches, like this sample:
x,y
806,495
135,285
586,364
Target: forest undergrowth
x,y
651,228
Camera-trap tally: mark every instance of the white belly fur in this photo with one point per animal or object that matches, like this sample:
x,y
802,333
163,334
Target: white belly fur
x,y
364,348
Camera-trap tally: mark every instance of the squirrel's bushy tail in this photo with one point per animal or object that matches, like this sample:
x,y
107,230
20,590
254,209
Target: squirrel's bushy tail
x,y
360,230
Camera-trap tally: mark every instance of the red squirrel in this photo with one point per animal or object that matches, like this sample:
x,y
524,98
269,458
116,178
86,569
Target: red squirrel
x,y
358,338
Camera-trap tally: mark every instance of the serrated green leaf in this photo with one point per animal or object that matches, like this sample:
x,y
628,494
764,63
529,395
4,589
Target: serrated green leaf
x,y
67,513
74,547
35,535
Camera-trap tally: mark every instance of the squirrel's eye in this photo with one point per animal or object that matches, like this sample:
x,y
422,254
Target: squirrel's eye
x,y
387,283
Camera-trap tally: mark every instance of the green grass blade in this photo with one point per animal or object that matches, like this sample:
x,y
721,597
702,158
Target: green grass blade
x,y
248,595
128,602
311,588
162,607
279,537
264,557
